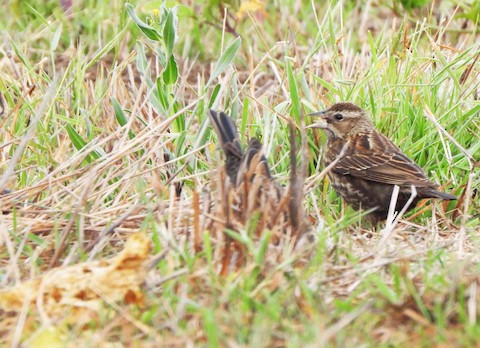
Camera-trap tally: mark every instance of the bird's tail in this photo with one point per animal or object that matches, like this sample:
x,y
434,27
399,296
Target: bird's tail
x,y
443,195
228,136
225,129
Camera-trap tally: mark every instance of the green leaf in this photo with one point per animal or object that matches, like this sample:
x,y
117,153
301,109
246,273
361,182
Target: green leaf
x,y
169,33
121,117
328,86
162,95
236,236
170,74
76,139
56,38
141,60
262,249
293,92
243,124
225,60
411,4
380,285
119,114
214,95
148,30
210,327
80,143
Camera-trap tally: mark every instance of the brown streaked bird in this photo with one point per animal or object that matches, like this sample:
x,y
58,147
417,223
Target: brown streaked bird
x,y
238,163
371,164
251,186
247,189
248,193
254,188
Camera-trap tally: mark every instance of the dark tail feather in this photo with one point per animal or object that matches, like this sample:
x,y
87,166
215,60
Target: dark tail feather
x,y
432,193
225,129
228,136
444,196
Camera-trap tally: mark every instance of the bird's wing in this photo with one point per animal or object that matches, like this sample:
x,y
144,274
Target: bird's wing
x,y
374,157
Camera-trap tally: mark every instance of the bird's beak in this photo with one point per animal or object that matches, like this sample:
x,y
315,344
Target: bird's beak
x,y
322,123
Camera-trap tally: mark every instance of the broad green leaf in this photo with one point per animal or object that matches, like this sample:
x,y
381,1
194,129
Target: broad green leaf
x,y
148,30
119,114
170,74
225,60
80,143
76,139
169,33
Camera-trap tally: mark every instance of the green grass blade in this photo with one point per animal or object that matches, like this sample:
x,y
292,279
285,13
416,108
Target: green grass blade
x,y
225,60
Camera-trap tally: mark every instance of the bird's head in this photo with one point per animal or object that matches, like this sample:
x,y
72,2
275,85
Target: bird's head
x,y
342,120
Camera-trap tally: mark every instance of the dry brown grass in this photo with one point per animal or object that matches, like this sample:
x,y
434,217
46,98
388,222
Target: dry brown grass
x,y
414,280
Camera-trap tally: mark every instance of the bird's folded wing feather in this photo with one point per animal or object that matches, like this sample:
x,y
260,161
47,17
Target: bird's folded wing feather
x,y
384,164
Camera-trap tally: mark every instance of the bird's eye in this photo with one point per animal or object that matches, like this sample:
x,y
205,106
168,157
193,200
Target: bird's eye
x,y
338,117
